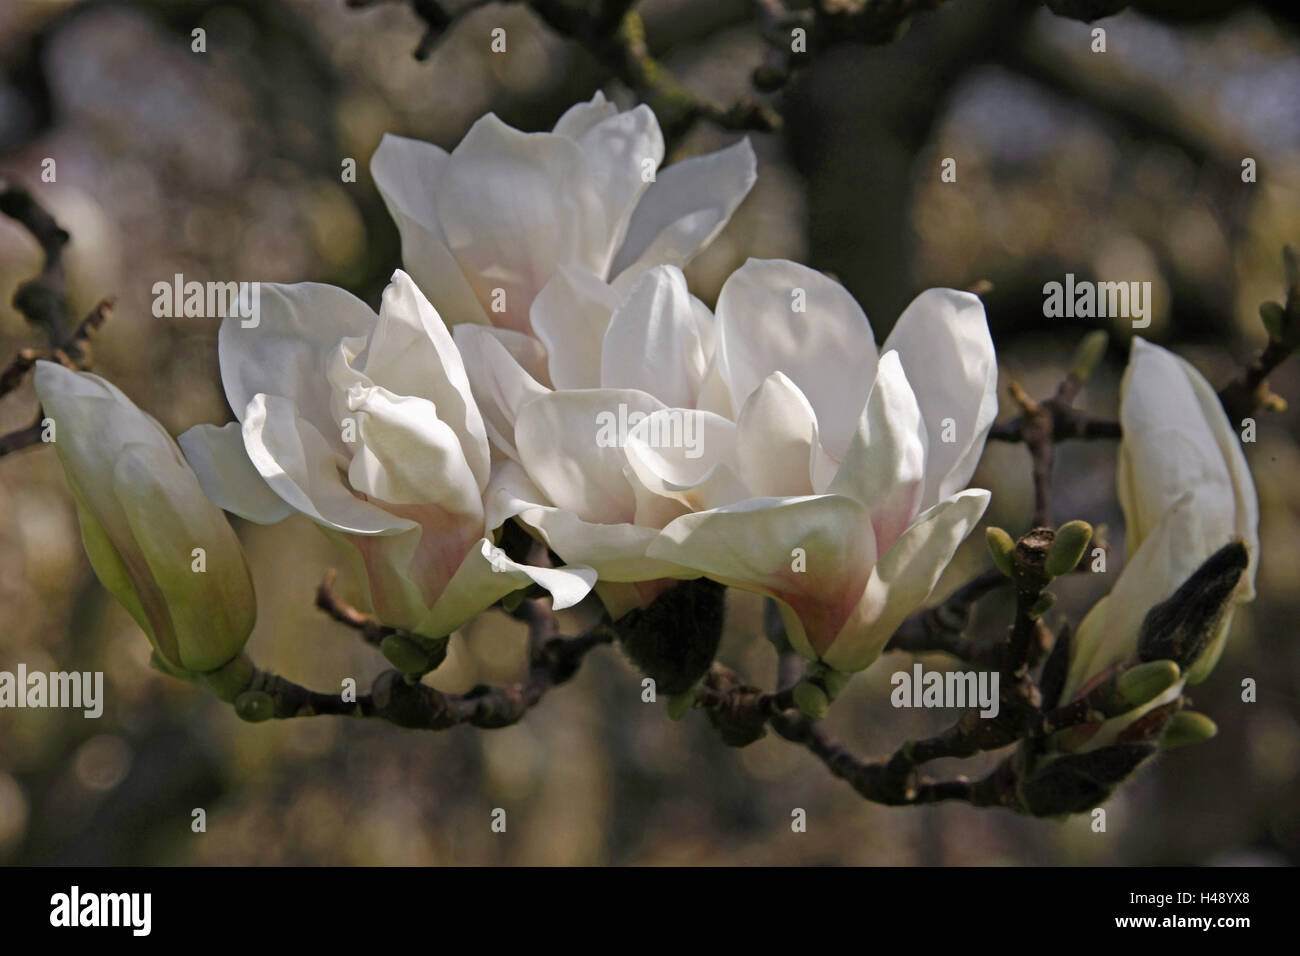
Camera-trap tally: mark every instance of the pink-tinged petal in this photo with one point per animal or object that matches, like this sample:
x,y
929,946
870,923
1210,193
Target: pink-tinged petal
x,y
903,578
827,349
408,174
513,207
943,340
569,317
653,341
884,467
815,554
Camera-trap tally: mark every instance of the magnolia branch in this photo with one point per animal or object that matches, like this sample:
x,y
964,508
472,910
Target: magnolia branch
x,y
42,301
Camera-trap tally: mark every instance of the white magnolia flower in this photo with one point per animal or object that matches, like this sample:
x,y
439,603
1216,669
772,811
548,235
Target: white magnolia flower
x,y
770,448
486,227
1186,491
142,516
366,424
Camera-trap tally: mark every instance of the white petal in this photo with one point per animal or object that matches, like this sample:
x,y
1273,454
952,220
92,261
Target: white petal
x,y
943,340
827,350
903,578
1108,634
515,205
616,551
487,575
580,117
623,152
653,342
408,174
570,316
685,208
884,467
406,455
758,545
688,456
300,327
299,465
776,440
570,443
218,458
412,353
501,385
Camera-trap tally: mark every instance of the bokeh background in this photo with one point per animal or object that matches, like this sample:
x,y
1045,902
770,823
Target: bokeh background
x,y
226,165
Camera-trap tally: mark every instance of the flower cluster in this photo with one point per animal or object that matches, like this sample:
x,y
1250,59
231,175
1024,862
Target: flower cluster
x,y
541,364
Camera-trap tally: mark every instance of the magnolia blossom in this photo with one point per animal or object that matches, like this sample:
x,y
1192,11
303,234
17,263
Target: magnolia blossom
x,y
487,227
366,424
1186,492
155,541
771,448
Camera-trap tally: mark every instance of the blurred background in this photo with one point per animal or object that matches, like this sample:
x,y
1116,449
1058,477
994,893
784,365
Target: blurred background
x,y
226,165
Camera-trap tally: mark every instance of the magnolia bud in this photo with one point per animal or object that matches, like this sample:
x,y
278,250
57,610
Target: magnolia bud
x,y
1180,628
1145,682
145,522
1001,547
1187,727
1067,548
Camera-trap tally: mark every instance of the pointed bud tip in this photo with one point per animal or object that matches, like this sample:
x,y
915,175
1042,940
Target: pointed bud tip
x,y
1145,682
1071,541
1001,548
1187,727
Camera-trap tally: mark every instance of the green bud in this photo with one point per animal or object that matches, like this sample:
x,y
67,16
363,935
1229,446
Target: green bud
x,y
811,700
229,681
679,705
1089,352
1046,601
1145,682
1001,547
412,655
1187,727
255,706
1067,548
1274,318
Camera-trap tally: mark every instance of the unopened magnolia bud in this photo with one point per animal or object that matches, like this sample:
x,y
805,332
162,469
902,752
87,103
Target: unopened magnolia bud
x,y
1180,628
1074,783
1187,727
1001,547
1145,682
675,638
154,539
1067,548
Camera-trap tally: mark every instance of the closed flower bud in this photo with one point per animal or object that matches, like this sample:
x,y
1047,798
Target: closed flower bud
x,y
1001,548
153,538
1187,727
1067,547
